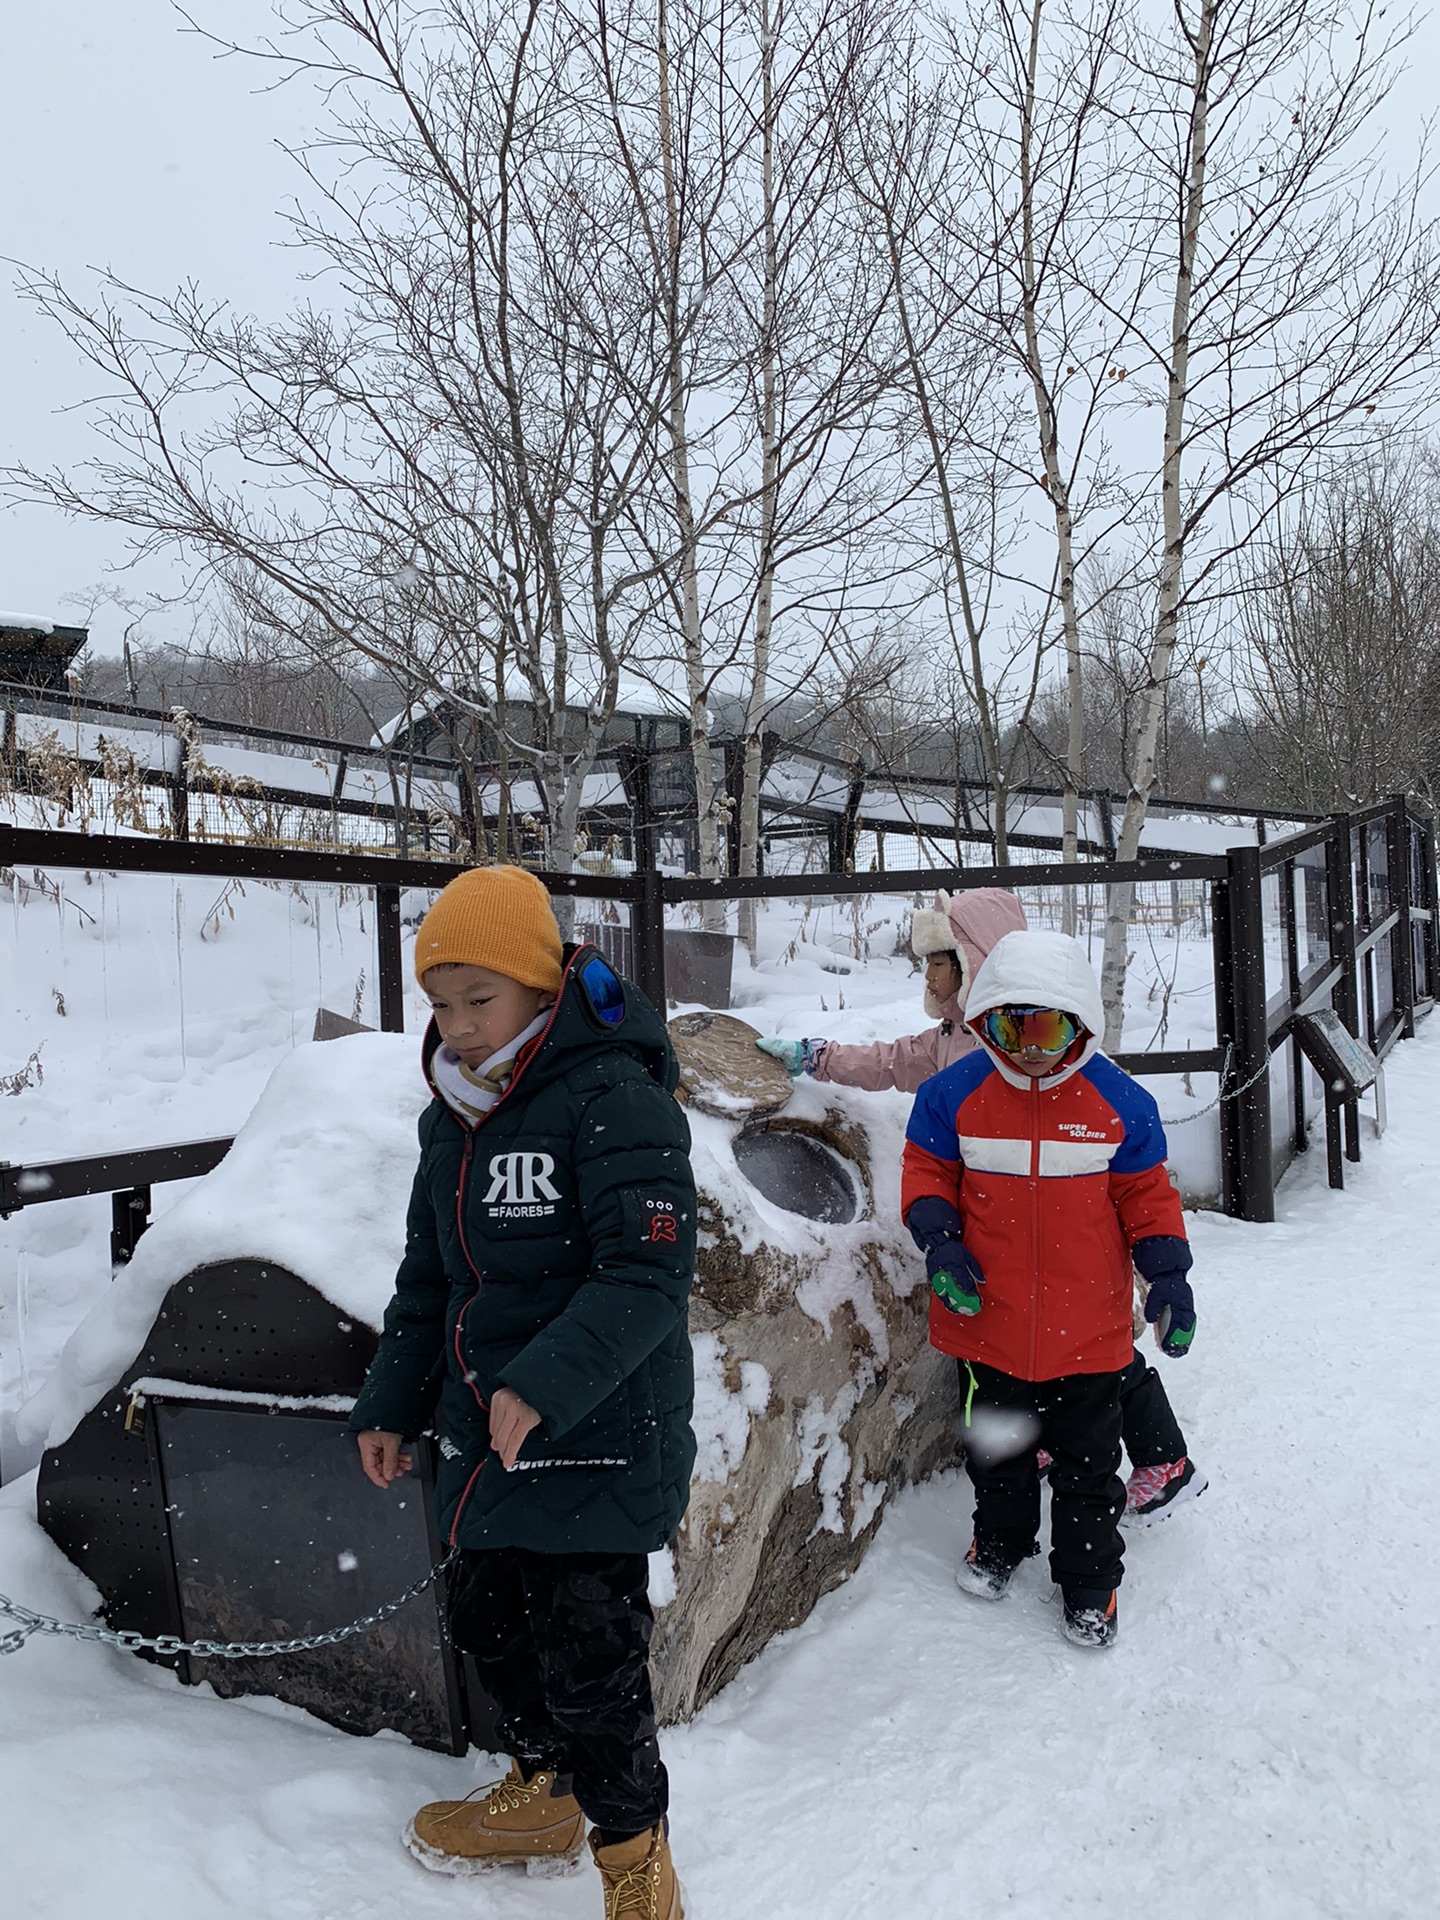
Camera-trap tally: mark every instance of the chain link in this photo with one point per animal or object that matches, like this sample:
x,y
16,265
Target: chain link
x,y
1225,1093
169,1643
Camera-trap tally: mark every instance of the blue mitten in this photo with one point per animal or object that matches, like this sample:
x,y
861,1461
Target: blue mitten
x,y
1164,1261
796,1056
955,1274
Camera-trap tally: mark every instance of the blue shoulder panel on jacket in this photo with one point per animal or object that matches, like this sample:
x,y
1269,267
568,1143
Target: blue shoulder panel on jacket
x,y
938,1099
1144,1145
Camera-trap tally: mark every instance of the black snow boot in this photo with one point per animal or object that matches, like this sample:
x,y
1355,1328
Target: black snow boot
x,y
1091,1619
986,1570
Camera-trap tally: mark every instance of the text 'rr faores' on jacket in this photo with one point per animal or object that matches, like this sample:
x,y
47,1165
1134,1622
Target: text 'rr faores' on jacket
x,y
550,1248
1055,1179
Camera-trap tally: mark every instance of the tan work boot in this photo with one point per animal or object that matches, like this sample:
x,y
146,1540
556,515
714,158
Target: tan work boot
x,y
518,1822
639,1878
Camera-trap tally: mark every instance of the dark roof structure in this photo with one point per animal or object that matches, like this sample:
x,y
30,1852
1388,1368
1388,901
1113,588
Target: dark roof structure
x,y
38,653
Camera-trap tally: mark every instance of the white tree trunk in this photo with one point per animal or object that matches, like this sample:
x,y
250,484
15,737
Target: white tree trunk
x,y
752,768
692,639
1172,560
1048,428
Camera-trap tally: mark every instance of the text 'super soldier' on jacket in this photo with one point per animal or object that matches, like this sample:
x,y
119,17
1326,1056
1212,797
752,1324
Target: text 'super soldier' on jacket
x,y
1056,1181
550,1249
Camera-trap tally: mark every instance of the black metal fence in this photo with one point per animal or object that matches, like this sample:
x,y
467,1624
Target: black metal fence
x,y
1340,915
184,777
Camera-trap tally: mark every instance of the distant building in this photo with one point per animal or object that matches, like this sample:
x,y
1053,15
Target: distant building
x,y
645,716
38,653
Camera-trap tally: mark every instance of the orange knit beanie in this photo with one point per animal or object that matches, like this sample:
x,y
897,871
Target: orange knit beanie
x,y
496,917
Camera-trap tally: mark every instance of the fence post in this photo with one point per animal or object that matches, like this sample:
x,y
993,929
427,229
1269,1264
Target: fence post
x,y
390,979
647,936
734,752
1289,922
1430,884
1340,885
1402,948
1107,822
180,790
1231,1191
849,820
129,1217
1254,1170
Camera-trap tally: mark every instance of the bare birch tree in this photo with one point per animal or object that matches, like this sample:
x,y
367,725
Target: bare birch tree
x,y
1298,301
727,120
1044,144
1340,647
960,429
454,473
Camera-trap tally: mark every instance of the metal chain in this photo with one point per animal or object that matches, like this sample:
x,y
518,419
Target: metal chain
x,y
169,1643
1225,1093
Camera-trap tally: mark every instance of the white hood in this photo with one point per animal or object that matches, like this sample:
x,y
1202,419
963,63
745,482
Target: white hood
x,y
1039,970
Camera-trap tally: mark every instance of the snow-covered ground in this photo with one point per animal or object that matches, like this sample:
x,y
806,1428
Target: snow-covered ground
x,y
1264,1740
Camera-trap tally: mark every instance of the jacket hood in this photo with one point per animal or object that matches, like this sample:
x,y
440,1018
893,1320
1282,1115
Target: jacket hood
x,y
967,924
596,1011
1038,970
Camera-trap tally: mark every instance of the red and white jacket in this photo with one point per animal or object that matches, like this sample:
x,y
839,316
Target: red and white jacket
x,y
1055,1180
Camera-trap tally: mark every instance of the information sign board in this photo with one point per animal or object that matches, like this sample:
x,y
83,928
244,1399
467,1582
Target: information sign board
x,y
1345,1064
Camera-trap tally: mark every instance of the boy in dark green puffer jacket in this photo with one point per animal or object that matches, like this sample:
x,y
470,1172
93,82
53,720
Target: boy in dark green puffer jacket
x,y
541,1301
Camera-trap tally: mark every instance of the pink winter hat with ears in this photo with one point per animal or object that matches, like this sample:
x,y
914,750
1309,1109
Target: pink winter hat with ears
x,y
967,924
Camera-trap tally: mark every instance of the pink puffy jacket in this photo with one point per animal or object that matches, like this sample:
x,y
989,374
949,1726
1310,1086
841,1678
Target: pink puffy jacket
x,y
979,918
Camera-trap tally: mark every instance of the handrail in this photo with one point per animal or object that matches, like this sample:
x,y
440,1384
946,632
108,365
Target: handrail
x,y
139,853
16,694
1091,873
1374,935
1247,1030
28,1184
1289,846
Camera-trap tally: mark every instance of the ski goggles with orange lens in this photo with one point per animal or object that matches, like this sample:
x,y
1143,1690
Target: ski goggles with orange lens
x,y
1019,1029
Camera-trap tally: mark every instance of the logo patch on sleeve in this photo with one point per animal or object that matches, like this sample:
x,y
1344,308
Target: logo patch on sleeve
x,y
659,1220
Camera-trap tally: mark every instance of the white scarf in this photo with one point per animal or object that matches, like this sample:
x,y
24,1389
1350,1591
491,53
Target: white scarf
x,y
473,1091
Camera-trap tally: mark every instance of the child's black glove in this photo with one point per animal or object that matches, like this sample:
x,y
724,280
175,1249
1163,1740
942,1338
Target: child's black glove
x,y
955,1274
1163,1261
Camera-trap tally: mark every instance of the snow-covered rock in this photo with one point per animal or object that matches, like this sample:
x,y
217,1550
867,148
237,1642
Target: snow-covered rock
x,y
818,1396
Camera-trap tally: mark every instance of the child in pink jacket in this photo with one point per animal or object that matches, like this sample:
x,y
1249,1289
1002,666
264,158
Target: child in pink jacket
x,y
954,938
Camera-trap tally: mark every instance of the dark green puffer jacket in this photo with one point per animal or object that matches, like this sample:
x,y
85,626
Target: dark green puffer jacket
x,y
550,1249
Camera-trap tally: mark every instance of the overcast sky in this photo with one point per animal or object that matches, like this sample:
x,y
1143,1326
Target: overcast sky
x,y
130,146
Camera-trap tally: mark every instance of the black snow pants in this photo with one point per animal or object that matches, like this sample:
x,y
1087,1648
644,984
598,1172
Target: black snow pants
x,y
1076,1419
562,1643
1150,1430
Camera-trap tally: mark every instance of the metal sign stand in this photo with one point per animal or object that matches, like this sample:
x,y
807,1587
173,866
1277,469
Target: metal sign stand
x,y
1347,1067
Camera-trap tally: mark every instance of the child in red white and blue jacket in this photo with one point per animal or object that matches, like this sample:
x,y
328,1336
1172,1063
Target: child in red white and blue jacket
x,y
1034,1176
